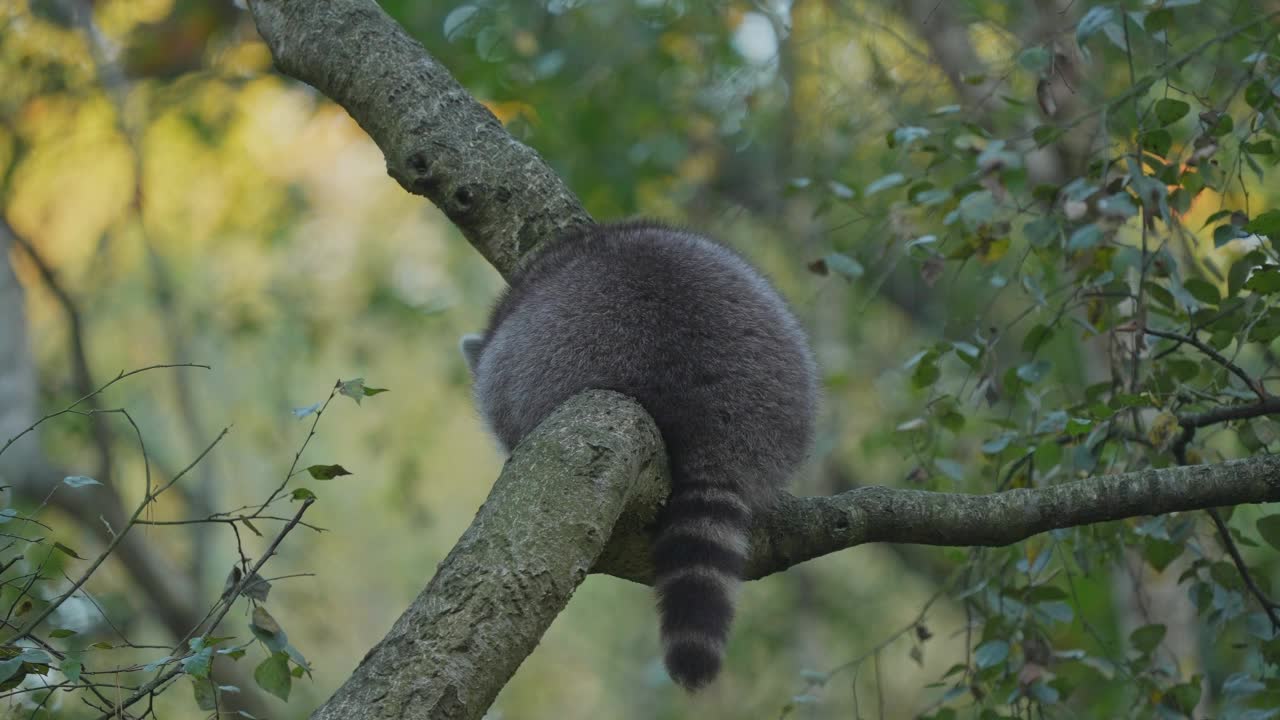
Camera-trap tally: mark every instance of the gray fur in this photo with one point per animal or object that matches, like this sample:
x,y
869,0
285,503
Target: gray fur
x,y
699,337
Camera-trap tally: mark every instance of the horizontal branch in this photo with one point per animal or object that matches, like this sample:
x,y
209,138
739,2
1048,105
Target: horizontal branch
x,y
438,141
1227,413
800,529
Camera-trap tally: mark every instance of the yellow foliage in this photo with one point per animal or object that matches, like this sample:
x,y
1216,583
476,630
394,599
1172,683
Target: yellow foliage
x,y
244,58
991,249
76,179
681,46
698,167
508,110
525,43
1163,429
117,17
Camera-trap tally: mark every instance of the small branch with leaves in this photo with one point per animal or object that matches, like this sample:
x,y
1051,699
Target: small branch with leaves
x,y
32,648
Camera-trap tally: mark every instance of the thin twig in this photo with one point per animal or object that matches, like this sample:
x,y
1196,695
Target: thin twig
x,y
79,355
1216,356
1224,534
227,603
72,407
93,567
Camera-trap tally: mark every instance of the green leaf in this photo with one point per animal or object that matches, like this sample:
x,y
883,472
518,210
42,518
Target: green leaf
x,y
990,653
66,550
997,445
1158,20
302,494
459,23
1169,110
327,472
1203,290
1033,372
1035,337
926,374
273,675
1258,95
1034,59
842,264
9,668
1224,234
266,629
79,481
906,135
62,633
1269,529
888,181
1096,19
1264,282
305,411
1119,205
353,389
1084,238
1146,638
371,391
71,668
198,664
206,695
1268,223
1046,135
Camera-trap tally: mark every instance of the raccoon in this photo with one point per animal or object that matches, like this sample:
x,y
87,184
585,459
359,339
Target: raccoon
x,y
703,342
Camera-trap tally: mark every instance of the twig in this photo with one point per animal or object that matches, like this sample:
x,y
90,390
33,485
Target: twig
x,y
79,356
93,567
1216,356
298,455
227,604
1224,534
72,407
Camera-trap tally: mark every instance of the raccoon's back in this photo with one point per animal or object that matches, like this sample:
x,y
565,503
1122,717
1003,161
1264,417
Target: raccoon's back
x,y
682,324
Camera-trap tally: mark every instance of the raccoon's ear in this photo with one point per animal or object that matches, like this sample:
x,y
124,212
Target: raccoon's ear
x,y
471,345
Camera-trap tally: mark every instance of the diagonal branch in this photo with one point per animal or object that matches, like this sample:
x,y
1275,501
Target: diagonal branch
x,y
578,494
512,572
438,141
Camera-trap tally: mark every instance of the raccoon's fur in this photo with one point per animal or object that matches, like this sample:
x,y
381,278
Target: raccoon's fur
x,y
697,336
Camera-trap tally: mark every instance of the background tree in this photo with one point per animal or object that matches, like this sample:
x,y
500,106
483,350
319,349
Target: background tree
x,y
1025,254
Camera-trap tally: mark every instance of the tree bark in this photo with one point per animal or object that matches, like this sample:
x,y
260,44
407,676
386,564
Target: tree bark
x,y
438,141
533,542
579,493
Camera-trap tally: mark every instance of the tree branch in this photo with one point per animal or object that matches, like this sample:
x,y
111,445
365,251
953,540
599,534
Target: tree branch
x,y
579,493
82,377
512,572
800,529
438,141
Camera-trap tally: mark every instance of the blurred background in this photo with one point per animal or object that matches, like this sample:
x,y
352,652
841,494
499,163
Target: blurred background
x,y
168,198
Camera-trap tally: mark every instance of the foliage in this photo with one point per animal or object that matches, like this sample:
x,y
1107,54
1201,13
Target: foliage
x,y
45,659
1046,256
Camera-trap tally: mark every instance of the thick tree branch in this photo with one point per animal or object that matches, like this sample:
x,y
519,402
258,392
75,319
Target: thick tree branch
x,y
438,141
801,529
535,538
578,494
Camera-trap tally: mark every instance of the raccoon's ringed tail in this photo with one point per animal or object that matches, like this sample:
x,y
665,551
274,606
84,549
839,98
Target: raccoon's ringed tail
x,y
699,554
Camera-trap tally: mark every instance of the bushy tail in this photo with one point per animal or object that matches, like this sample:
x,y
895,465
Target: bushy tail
x,y
699,554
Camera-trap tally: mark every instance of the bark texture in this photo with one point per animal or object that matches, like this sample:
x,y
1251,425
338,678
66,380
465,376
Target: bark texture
x,y
580,492
438,141
533,542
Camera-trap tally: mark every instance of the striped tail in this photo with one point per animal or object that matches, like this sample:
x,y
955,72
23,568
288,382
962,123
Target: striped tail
x,y
699,554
